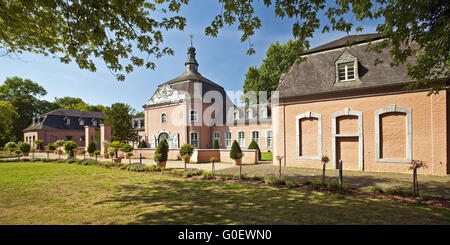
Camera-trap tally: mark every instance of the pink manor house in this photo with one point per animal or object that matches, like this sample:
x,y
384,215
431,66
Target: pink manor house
x,y
336,103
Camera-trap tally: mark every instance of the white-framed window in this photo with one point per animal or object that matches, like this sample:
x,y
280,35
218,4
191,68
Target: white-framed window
x,y
263,112
346,71
216,136
269,137
249,113
194,116
236,115
228,140
255,136
163,117
94,122
81,122
67,121
194,139
241,138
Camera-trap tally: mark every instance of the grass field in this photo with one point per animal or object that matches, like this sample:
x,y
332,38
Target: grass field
x,y
61,193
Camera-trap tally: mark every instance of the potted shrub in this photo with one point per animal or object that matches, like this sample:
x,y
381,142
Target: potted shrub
x,y
91,148
60,152
161,154
96,154
115,146
127,148
52,147
186,152
84,154
18,152
70,147
236,153
253,145
112,153
129,155
11,146
24,148
39,145
142,144
59,144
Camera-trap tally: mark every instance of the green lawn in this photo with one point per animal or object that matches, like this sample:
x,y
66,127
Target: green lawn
x,y
266,156
61,193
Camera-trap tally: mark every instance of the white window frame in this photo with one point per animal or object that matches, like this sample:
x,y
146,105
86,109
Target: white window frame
x,y
236,115
239,139
218,138
197,140
259,137
249,113
195,114
263,112
269,138
165,118
346,66
81,122
67,121
228,141
94,122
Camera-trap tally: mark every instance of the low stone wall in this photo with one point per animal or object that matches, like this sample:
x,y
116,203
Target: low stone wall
x,y
203,155
148,153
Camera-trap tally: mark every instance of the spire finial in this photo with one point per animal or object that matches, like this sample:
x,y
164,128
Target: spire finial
x,y
191,36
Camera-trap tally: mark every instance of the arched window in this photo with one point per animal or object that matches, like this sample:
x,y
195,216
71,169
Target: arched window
x,y
94,122
164,118
81,121
66,121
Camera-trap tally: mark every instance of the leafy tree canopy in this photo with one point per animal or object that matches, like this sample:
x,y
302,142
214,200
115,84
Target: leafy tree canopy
x,y
7,114
119,117
80,31
78,104
24,95
279,58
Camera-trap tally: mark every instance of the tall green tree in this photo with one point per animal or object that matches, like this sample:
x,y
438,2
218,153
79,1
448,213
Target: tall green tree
x,y
7,115
279,58
78,104
119,116
24,95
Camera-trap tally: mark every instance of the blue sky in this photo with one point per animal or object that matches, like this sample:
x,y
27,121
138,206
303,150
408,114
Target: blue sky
x,y
222,60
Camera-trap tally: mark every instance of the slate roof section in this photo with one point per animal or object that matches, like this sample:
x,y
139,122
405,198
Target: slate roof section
x,y
317,74
54,120
345,41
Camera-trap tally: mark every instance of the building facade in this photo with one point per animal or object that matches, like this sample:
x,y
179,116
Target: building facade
x,y
61,124
340,104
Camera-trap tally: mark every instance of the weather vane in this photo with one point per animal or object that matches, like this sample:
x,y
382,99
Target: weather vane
x,y
191,39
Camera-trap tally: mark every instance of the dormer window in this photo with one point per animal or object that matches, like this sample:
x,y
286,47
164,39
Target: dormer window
x,y
249,114
81,121
236,115
346,71
346,68
66,121
94,122
263,112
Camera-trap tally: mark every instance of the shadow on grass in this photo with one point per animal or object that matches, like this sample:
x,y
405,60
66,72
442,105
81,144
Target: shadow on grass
x,y
191,202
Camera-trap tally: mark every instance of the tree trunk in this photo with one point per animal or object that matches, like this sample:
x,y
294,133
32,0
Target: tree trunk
x,y
323,173
240,171
185,165
414,182
213,168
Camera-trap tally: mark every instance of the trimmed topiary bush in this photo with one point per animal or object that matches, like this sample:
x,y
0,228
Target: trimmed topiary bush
x,y
11,146
51,147
116,146
254,146
235,152
70,146
142,144
215,144
127,148
92,147
24,147
161,150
